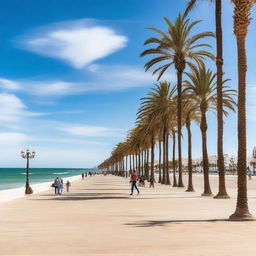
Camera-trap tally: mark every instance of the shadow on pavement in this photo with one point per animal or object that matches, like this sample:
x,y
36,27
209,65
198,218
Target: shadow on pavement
x,y
152,223
77,198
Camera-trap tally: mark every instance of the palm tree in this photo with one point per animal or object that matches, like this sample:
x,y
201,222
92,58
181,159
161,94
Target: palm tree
x,y
176,47
242,19
159,108
202,88
219,64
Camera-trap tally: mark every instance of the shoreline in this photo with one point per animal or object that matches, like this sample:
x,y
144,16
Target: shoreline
x,y
16,193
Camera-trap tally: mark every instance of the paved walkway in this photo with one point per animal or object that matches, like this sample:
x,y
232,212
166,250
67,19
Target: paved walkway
x,y
99,217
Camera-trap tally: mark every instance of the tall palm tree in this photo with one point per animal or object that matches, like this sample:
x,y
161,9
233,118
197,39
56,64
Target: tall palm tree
x,y
241,16
202,88
158,108
219,64
177,47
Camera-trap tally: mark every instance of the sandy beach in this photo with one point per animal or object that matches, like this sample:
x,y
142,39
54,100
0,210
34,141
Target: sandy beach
x,y
99,217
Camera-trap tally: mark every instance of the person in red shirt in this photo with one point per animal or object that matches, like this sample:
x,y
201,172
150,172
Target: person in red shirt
x,y
134,178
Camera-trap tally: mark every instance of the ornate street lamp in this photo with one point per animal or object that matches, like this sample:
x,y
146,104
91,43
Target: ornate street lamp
x,y
27,154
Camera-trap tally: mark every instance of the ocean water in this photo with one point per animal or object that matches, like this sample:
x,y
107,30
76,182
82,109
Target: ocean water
x,y
16,177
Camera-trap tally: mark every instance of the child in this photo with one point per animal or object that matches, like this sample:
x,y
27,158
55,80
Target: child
x,y
68,184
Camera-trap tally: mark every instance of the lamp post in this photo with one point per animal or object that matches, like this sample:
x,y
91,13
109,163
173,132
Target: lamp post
x,y
27,155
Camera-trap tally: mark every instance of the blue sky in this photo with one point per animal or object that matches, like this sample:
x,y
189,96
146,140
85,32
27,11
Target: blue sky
x,y
71,77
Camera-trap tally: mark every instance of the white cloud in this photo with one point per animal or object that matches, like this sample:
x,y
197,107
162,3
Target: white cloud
x,y
49,88
9,84
13,138
91,131
76,141
117,77
69,141
65,158
100,78
12,109
77,42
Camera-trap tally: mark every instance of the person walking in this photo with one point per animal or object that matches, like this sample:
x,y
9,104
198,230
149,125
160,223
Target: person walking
x,y
249,172
56,185
68,184
134,178
82,175
151,182
61,186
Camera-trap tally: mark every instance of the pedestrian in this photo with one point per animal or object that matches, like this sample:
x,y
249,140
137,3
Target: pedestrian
x,y
142,181
56,185
61,186
151,182
82,175
68,184
249,172
134,178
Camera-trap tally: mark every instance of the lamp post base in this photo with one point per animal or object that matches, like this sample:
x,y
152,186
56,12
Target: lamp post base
x,y
28,190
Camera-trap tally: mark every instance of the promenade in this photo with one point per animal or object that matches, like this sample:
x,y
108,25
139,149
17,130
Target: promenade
x,y
99,217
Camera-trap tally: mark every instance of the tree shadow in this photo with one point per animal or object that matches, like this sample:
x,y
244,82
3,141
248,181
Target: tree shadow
x,y
106,189
161,223
83,194
81,198
98,196
112,185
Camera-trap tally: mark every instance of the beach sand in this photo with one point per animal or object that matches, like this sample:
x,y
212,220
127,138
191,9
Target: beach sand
x,y
99,217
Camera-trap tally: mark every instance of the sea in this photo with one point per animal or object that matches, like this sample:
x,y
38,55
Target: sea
x,y
16,177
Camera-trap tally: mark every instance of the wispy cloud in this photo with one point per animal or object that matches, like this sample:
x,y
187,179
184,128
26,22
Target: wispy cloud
x,y
13,138
78,42
69,141
12,109
100,78
92,131
9,84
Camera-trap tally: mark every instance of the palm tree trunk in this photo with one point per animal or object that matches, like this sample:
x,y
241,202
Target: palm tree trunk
x,y
147,166
130,162
180,182
152,176
168,182
164,159
173,160
136,160
190,180
203,126
126,166
139,163
219,63
159,163
123,167
142,162
242,210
